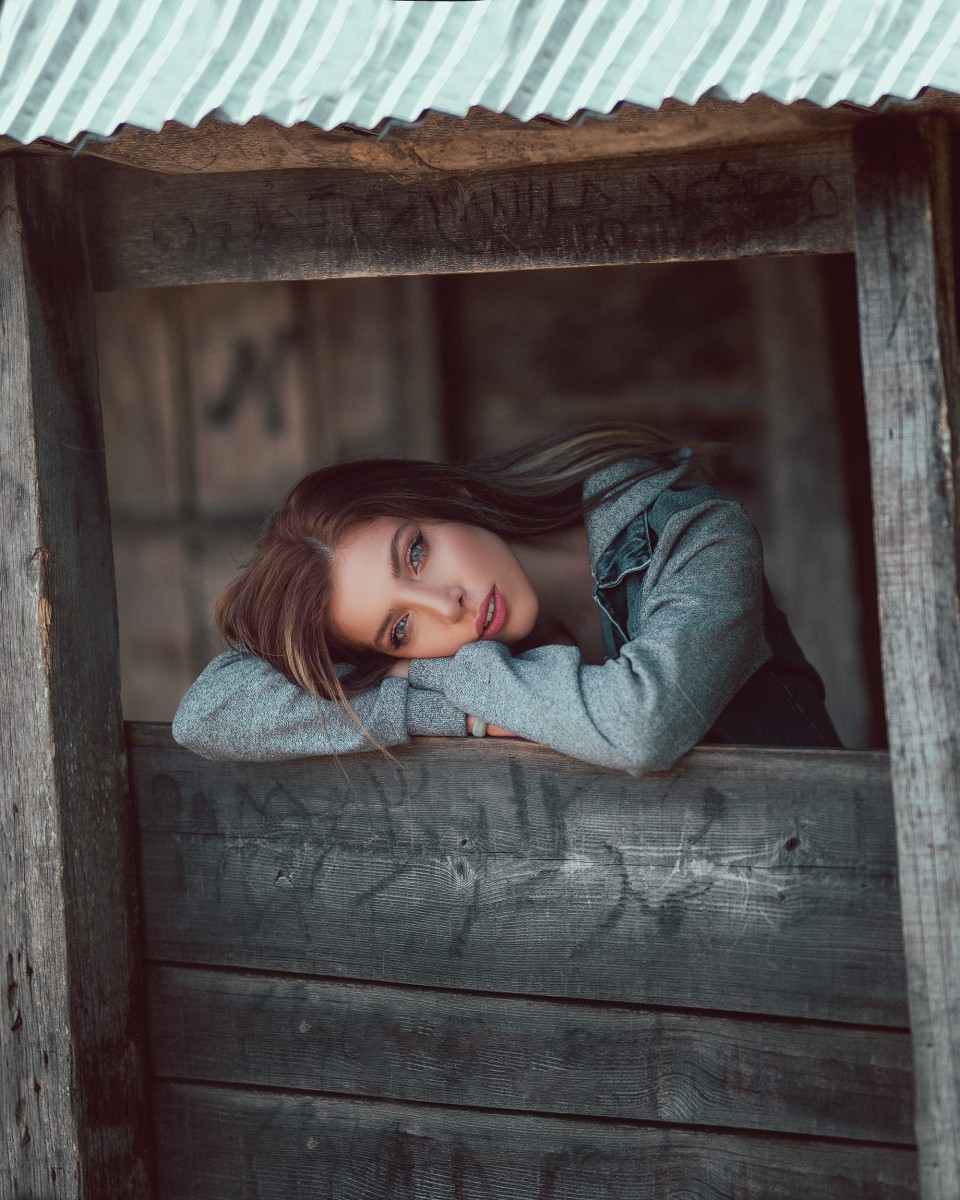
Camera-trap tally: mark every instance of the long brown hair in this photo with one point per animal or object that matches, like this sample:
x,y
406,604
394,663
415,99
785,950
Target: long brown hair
x,y
277,606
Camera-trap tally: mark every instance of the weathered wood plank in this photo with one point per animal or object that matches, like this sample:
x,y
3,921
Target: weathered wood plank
x,y
373,350
231,1144
248,394
457,1048
906,266
153,593
506,867
480,140
72,1119
147,230
139,385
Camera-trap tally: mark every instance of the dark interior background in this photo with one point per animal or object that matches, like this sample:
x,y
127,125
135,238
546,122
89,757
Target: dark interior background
x,y
217,398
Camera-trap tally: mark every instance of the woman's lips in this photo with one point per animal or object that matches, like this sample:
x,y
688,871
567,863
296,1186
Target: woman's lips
x,y
499,617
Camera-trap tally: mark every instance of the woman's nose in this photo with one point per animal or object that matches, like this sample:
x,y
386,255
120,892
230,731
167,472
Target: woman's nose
x,y
444,602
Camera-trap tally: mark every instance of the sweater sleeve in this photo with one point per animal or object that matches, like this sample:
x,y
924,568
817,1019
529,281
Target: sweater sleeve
x,y
241,708
696,630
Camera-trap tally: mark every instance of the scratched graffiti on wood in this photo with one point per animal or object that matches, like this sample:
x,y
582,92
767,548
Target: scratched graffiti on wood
x,y
517,879
248,395
150,230
254,378
416,961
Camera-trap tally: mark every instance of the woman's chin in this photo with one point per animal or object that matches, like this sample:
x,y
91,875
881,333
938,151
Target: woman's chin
x,y
517,641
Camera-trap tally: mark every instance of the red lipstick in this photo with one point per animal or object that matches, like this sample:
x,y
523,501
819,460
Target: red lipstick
x,y
497,618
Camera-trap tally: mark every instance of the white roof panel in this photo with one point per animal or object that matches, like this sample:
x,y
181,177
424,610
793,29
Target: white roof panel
x,y
74,66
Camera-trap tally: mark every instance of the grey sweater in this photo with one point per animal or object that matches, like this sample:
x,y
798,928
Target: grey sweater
x,y
695,635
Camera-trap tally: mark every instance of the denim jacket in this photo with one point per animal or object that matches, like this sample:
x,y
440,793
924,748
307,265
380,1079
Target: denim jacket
x,y
689,628
781,704
618,571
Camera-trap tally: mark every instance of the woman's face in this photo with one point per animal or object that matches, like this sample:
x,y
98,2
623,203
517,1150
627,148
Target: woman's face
x,y
423,589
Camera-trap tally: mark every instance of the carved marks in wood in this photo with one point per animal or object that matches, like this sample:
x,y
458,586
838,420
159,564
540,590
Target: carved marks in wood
x,y
148,230
541,876
535,876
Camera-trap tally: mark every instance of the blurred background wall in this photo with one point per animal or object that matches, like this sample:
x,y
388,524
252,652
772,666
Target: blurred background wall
x,y
216,399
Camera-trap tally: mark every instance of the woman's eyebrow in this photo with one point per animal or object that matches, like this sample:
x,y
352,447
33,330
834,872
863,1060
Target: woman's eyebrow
x,y
378,636
395,567
395,551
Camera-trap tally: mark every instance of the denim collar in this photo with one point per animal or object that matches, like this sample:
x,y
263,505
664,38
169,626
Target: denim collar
x,y
603,524
627,556
620,537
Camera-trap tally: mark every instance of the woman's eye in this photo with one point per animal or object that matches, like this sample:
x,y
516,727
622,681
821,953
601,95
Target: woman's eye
x,y
399,634
415,553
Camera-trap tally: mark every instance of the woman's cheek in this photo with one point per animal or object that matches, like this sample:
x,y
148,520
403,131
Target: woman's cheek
x,y
526,618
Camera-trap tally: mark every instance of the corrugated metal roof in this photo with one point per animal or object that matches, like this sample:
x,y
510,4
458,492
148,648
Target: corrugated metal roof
x,y
73,66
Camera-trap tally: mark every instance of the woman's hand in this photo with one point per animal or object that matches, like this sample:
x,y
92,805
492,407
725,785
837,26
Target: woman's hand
x,y
492,730
401,669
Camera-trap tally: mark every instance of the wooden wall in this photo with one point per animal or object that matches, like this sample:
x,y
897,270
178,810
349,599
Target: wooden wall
x,y
216,398
486,970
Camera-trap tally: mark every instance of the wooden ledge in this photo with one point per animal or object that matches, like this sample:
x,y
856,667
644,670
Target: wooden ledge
x,y
762,762
156,230
479,141
503,866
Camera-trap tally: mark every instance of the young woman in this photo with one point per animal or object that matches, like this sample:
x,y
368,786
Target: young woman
x,y
590,592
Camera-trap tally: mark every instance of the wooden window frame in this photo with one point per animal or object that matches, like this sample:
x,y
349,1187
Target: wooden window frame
x,y
881,189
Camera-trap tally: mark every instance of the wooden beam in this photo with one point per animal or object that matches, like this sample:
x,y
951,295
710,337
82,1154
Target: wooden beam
x,y
481,140
492,1051
72,1113
234,1143
906,266
509,868
148,230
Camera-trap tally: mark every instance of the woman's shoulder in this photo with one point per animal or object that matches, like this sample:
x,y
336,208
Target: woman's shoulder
x,y
634,470
631,487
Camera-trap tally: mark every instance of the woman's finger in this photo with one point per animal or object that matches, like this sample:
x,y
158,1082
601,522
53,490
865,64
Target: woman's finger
x,y
492,730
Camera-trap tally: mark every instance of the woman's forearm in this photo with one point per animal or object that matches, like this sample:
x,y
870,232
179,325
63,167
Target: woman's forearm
x,y
240,708
697,637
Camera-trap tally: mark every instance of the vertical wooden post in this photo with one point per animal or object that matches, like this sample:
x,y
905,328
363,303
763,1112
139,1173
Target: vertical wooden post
x,y
905,273
72,1112
807,503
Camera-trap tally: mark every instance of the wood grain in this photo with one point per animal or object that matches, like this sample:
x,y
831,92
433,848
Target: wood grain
x,y
480,140
373,350
247,391
147,230
488,1051
153,593
906,268
510,868
231,1144
807,545
139,386
72,1113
